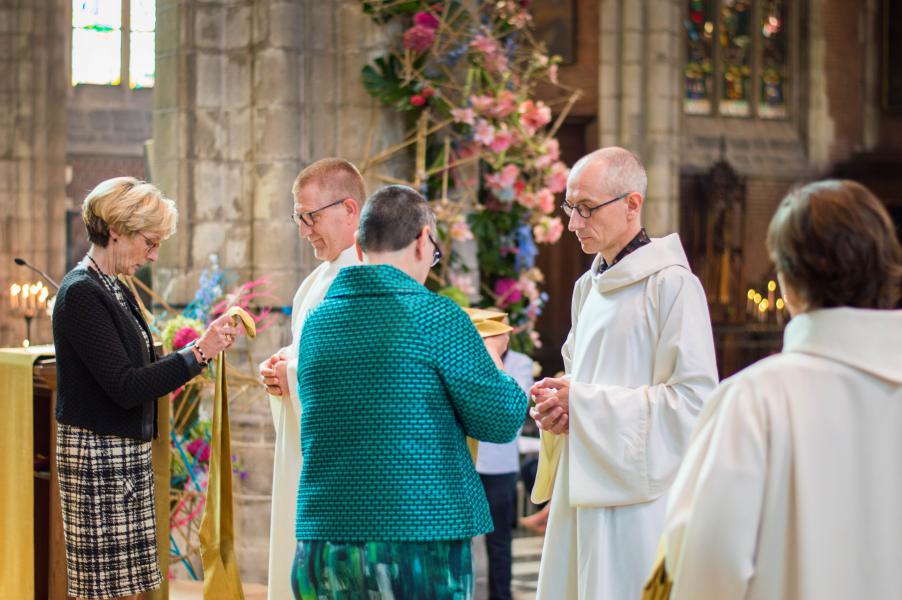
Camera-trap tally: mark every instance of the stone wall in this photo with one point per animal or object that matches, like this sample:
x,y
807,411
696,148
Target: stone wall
x,y
247,93
33,79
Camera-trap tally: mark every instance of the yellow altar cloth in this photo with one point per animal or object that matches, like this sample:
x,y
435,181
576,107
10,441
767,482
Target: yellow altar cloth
x,y
222,579
17,471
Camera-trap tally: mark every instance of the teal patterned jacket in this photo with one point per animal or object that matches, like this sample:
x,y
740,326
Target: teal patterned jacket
x,y
391,377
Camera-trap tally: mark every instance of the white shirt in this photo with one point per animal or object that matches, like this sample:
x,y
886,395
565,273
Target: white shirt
x,y
498,459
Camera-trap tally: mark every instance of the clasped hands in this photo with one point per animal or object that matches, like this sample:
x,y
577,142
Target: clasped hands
x,y
552,404
274,374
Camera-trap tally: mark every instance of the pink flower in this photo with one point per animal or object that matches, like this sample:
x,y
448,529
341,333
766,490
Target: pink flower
x,y
463,282
544,201
426,19
485,44
183,337
551,150
534,337
463,115
503,179
508,292
548,230
199,449
494,57
419,38
503,140
556,180
460,231
526,199
482,104
503,105
534,115
484,133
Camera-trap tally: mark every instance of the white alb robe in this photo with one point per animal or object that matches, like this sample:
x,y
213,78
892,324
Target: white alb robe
x,y
286,412
792,485
640,358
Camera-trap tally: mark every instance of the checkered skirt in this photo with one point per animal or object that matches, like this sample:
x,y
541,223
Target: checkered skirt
x,y
107,497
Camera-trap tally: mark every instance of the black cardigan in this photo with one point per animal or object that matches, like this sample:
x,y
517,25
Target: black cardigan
x,y
107,381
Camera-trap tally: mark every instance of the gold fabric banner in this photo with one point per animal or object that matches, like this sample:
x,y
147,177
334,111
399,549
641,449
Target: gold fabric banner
x,y
222,578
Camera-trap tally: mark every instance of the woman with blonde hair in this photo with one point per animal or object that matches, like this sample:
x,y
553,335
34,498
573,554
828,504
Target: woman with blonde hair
x,y
109,379
791,486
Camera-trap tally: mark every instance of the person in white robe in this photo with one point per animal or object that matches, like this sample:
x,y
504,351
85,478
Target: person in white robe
x,y
639,363
328,197
791,488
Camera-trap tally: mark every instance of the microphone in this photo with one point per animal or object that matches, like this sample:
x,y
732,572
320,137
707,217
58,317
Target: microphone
x,y
21,262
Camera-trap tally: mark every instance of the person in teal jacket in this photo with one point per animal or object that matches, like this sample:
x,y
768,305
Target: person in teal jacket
x,y
391,379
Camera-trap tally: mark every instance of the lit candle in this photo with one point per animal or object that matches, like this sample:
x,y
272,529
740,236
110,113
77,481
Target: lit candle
x,y
25,291
750,306
771,288
762,310
14,295
35,288
42,298
780,306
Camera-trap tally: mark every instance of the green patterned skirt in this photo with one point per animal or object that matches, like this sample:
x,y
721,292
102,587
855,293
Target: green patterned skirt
x,y
437,570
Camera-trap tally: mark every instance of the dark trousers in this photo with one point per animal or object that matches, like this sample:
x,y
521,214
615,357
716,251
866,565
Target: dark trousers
x,y
501,492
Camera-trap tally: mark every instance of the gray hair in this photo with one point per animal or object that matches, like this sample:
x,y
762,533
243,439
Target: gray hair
x,y
392,218
623,171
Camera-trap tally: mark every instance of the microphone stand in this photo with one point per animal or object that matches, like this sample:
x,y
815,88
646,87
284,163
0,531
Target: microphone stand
x,y
21,262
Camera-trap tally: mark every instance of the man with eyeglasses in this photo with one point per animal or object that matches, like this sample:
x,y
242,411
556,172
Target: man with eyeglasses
x,y
639,364
328,196
392,378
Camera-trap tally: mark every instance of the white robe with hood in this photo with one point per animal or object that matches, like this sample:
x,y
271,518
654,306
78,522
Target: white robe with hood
x,y
792,485
286,413
640,358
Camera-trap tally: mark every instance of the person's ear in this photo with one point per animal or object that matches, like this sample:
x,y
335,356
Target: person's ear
x,y
634,204
422,243
351,207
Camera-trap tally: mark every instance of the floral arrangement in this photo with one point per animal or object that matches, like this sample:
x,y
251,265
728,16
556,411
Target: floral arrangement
x,y
485,153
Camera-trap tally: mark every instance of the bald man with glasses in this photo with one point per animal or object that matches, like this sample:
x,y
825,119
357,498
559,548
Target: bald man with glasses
x,y
639,364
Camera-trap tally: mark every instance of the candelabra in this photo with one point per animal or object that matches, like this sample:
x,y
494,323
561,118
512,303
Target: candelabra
x,y
27,301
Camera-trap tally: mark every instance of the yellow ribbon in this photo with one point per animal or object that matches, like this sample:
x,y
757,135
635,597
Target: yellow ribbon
x,y
222,579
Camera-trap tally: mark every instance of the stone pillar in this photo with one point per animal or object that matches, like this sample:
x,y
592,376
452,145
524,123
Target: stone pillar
x,y
639,96
33,80
247,93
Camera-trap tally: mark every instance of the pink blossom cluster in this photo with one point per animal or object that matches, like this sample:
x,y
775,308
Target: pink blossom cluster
x,y
183,337
492,54
421,35
548,230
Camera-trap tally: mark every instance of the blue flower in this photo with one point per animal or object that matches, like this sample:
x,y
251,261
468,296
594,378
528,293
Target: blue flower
x,y
526,257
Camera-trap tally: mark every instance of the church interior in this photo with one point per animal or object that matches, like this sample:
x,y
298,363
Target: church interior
x,y
729,104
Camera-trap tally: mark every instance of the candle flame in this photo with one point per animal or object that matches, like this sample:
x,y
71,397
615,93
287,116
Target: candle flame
x,y
757,298
751,294
762,307
15,289
780,304
771,286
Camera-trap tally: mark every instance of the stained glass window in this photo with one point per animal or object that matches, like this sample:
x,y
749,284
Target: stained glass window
x,y
97,38
141,51
774,64
96,42
736,46
737,58
699,57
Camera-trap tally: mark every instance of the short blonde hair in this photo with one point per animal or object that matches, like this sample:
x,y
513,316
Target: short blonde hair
x,y
336,175
127,206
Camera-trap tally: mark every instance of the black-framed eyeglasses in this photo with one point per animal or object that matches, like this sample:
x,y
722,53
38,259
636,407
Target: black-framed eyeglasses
x,y
307,218
436,253
586,211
